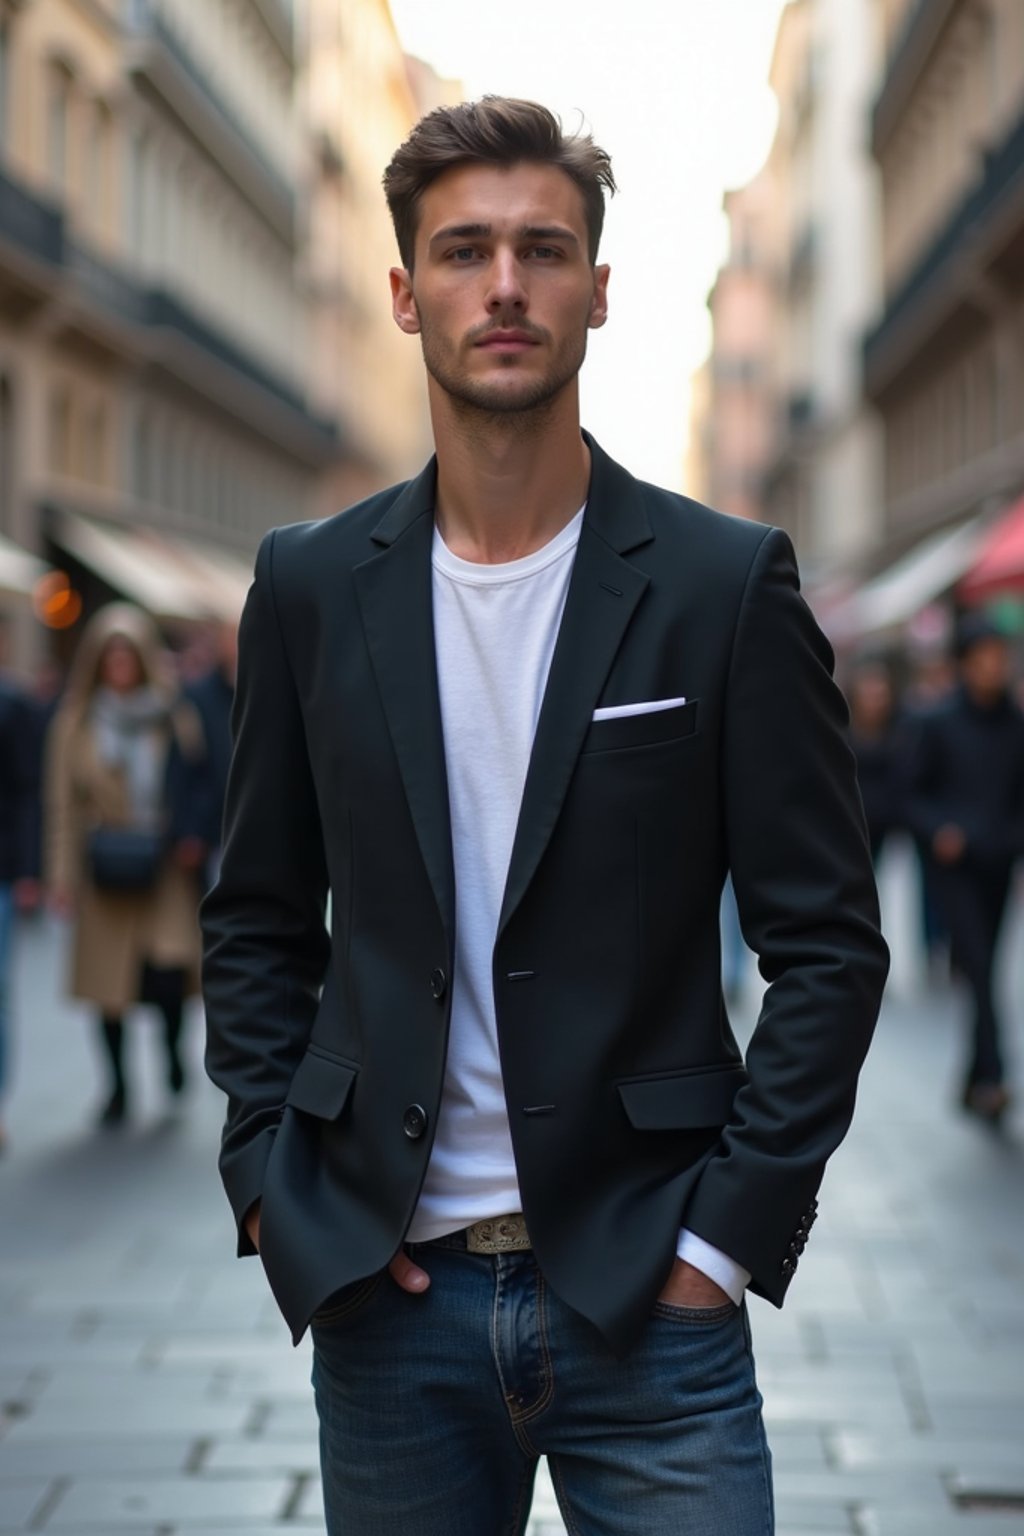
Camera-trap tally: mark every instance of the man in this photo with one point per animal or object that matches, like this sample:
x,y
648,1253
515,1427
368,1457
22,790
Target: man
x,y
19,853
493,1135
966,804
213,694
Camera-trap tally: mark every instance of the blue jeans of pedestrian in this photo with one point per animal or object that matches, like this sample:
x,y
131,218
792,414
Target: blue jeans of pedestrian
x,y
435,1408
6,937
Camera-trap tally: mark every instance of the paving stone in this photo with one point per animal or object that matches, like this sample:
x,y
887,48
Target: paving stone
x,y
21,1498
992,1486
264,1454
183,1502
91,1456
851,1449
819,1517
291,1420
147,1416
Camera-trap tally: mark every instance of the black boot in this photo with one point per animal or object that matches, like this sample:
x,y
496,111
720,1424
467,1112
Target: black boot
x,y
169,995
112,1037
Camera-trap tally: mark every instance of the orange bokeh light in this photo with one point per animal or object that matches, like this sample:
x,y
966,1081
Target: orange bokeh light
x,y
55,601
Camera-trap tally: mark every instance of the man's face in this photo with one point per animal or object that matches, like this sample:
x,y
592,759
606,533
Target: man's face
x,y
986,668
503,291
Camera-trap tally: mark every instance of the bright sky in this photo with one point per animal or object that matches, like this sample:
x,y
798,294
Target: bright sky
x,y
676,91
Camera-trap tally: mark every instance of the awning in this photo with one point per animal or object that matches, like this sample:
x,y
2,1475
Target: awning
x,y
223,577
19,571
894,596
998,566
167,577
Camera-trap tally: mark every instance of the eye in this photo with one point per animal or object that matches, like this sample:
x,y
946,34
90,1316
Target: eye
x,y
462,254
546,252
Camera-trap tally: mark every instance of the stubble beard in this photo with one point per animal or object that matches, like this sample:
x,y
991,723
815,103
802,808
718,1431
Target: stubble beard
x,y
481,404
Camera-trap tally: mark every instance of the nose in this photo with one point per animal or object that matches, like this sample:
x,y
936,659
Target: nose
x,y
506,290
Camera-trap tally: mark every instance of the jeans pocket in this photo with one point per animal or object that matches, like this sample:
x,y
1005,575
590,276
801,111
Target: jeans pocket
x,y
346,1304
700,1317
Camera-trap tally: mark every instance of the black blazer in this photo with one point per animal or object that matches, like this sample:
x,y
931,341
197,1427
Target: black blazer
x,y
632,1111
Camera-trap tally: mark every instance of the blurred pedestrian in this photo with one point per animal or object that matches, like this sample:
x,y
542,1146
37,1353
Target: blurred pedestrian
x,y
933,678
966,802
213,694
44,700
117,837
875,739
19,870
488,1126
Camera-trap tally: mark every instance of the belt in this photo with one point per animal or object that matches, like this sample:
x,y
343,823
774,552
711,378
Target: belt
x,y
498,1234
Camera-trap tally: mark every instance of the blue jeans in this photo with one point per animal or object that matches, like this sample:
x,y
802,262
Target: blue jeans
x,y
434,1410
6,936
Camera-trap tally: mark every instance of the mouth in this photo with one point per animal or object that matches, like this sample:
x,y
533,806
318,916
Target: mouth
x,y
506,341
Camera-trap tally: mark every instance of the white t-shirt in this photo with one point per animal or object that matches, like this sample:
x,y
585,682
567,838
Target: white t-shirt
x,y
495,628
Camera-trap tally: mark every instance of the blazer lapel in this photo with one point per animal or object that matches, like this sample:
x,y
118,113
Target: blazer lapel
x,y
604,591
395,599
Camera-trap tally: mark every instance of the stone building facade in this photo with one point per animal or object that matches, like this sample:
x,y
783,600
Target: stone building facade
x,y
187,354
944,365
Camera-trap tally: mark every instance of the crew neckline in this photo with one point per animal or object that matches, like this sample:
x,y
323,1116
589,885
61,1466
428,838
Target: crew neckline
x,y
477,573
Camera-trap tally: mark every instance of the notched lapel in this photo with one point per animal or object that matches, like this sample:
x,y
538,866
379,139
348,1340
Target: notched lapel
x,y
395,599
604,591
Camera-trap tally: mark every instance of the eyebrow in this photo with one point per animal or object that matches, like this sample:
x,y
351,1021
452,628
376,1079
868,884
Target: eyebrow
x,y
484,232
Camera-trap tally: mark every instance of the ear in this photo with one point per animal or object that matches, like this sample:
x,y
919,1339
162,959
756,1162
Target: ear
x,y
403,303
599,302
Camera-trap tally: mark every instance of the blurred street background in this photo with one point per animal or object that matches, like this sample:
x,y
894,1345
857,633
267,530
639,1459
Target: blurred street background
x,y
149,1388
817,320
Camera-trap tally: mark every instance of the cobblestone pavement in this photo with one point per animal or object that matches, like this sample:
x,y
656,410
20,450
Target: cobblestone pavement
x,y
148,1388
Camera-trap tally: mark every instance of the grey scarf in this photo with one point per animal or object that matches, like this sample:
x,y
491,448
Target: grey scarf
x,y
130,732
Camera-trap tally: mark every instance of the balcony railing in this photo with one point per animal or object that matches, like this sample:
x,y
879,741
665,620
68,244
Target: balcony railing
x,y
38,229
1003,170
168,66
924,22
28,222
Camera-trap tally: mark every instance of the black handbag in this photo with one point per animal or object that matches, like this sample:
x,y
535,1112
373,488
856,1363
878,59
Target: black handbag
x,y
124,858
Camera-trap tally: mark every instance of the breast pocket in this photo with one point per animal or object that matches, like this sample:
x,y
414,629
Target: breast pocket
x,y
658,728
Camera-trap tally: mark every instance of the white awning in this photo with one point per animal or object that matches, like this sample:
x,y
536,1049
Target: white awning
x,y
168,577
894,596
224,578
19,571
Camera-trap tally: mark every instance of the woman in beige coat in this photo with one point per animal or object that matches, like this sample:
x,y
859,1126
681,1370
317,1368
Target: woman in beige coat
x,y
121,754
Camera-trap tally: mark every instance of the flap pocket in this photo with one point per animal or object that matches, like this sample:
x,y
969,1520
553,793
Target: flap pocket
x,y
687,1100
648,730
321,1084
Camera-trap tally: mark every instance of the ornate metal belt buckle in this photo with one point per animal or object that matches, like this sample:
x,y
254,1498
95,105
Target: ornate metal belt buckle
x,y
502,1234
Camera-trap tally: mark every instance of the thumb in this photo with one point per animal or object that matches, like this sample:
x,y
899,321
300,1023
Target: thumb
x,y
407,1274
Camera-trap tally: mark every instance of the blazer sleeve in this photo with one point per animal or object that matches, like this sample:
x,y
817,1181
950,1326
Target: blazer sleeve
x,y
265,942
808,907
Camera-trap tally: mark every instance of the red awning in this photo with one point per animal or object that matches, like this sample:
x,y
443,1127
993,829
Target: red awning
x,y
998,567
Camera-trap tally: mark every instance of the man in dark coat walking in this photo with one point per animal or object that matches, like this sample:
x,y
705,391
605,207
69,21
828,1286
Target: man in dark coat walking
x,y
19,867
966,803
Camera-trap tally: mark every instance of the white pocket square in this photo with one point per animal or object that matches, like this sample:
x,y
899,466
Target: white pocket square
x,y
648,707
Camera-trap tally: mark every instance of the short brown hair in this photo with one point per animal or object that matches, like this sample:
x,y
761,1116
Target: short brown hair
x,y
496,130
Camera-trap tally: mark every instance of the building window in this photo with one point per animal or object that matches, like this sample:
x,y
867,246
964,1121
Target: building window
x,y
6,455
96,445
5,48
97,178
60,430
137,197
57,127
142,459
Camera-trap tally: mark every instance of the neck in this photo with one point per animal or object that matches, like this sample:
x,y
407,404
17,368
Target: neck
x,y
507,484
